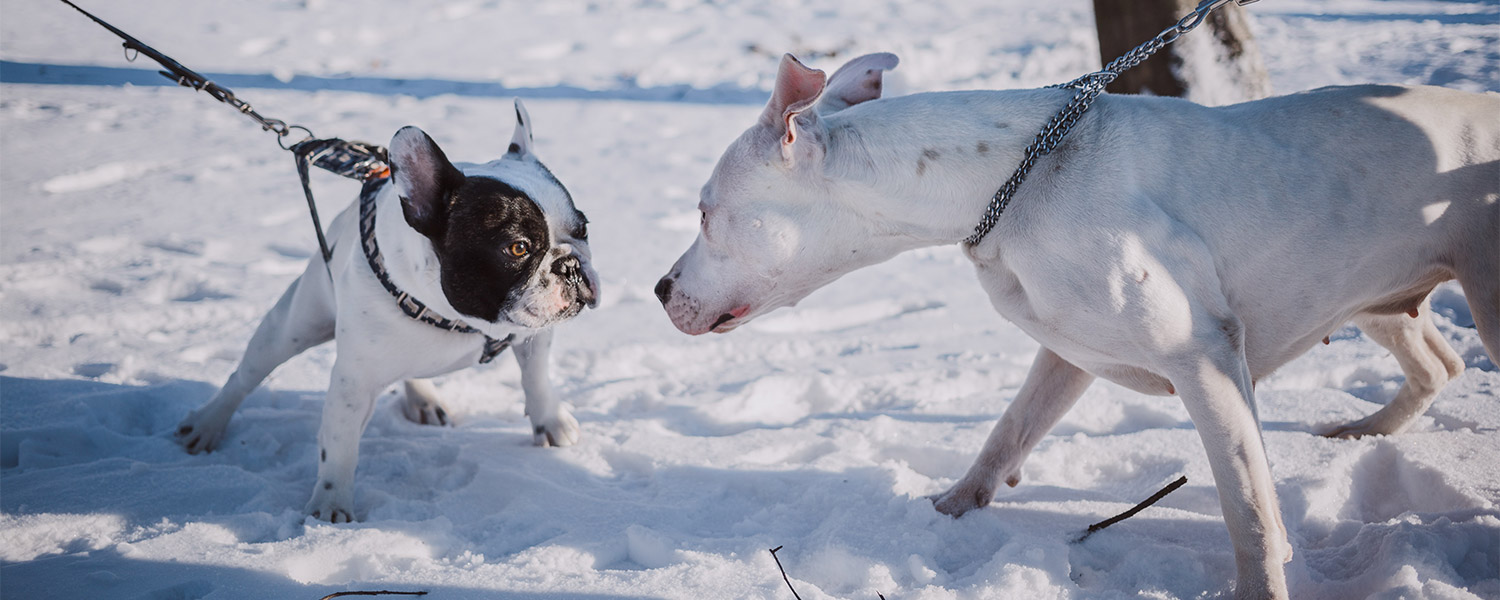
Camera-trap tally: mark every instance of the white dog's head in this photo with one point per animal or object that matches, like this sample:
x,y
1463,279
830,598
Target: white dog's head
x,y
774,225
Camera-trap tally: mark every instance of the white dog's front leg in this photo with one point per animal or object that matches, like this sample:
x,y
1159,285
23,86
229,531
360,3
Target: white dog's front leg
x,y
346,412
1214,383
552,425
1050,390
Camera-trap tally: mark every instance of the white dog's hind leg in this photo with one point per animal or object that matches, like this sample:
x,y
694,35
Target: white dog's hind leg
x,y
1050,390
422,405
1426,359
552,424
303,318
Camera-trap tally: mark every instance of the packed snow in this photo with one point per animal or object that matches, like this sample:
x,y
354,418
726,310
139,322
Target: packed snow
x,y
144,230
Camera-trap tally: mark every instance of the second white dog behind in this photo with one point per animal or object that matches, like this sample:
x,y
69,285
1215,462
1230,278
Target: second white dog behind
x,y
1165,246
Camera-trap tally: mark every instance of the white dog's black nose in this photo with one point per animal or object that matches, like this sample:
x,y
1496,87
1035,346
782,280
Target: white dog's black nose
x,y
664,289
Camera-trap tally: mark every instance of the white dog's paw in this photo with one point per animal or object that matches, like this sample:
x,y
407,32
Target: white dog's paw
x,y
421,404
560,430
1371,425
331,503
201,430
967,495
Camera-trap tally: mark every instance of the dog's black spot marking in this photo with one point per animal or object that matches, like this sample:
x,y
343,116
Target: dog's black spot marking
x,y
323,455
328,485
999,125
441,414
921,167
982,148
539,430
513,149
724,318
1233,331
930,154
581,230
519,120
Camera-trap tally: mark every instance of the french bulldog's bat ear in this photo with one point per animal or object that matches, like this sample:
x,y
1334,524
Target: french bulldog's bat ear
x,y
424,178
855,82
520,141
797,88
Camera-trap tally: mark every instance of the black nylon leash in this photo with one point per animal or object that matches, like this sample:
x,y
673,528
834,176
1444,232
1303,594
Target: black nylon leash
x,y
356,160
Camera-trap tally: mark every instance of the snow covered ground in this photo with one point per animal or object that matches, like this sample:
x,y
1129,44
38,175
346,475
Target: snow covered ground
x,y
144,230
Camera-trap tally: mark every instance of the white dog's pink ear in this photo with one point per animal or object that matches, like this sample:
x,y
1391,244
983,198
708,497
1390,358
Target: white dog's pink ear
x,y
424,178
855,82
520,141
797,88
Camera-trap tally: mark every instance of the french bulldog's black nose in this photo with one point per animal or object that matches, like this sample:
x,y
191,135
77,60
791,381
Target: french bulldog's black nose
x,y
664,289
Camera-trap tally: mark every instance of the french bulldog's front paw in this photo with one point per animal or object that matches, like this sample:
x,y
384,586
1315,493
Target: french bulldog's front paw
x,y
328,503
966,495
560,430
200,432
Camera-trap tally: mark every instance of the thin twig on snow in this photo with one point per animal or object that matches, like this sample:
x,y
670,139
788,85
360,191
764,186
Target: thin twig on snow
x,y
783,573
1135,509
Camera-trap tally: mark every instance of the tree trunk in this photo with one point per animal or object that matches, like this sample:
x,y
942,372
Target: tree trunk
x,y
1217,63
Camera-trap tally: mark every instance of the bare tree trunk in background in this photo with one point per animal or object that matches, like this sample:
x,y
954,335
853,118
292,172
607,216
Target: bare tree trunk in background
x,y
1218,63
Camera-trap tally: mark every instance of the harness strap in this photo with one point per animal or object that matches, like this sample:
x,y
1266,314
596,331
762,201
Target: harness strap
x,y
409,305
355,160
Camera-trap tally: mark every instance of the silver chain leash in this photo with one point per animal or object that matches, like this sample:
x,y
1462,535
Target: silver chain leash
x,y
1089,87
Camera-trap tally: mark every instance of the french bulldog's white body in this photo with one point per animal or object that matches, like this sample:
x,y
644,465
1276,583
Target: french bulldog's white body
x,y
1165,246
378,344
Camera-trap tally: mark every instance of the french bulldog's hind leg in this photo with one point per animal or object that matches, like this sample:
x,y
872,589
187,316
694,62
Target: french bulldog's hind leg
x,y
422,405
1426,360
552,424
303,318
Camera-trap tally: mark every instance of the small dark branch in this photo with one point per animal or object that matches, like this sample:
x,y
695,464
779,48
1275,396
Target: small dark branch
x,y
379,593
1135,509
783,573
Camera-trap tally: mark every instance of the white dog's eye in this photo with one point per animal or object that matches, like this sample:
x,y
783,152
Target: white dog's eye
x,y
703,221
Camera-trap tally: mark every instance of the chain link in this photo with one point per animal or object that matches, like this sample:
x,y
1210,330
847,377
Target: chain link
x,y
1089,87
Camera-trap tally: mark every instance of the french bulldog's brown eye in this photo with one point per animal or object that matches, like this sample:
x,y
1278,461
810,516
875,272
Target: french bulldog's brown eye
x,y
518,249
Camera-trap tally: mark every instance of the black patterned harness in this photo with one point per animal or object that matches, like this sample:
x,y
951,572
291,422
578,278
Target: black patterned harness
x,y
412,307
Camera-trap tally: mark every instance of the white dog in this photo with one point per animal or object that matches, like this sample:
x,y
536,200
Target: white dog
x,y
434,269
1165,246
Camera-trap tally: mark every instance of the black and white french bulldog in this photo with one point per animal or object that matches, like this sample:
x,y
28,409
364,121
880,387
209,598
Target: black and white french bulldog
x,y
436,268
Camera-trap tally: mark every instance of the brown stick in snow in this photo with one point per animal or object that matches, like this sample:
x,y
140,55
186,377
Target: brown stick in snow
x,y
783,573
379,593
1135,509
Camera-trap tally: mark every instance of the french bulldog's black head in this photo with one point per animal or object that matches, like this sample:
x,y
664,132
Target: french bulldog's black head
x,y
510,245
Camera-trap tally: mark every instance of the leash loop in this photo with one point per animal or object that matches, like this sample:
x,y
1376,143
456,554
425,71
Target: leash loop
x,y
281,140
1089,87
